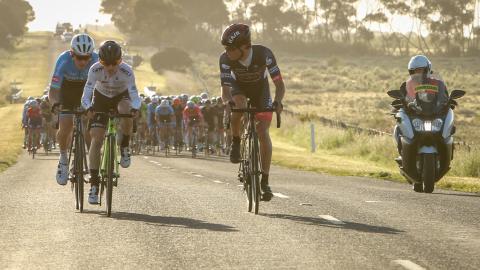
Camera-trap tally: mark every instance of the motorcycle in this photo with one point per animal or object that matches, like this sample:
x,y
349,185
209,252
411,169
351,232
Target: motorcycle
x,y
424,135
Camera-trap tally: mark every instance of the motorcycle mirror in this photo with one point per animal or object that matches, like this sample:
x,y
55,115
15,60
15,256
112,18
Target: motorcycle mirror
x,y
397,102
396,94
457,94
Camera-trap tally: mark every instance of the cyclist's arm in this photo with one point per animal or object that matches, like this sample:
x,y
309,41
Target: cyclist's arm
x,y
57,80
133,92
226,78
88,89
276,76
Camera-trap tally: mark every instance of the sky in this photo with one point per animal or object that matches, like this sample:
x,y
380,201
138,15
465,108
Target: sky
x,y
49,12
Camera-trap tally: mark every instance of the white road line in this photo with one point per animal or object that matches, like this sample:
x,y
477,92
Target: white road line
x,y
153,161
373,201
408,265
198,175
145,157
332,219
239,185
218,182
280,195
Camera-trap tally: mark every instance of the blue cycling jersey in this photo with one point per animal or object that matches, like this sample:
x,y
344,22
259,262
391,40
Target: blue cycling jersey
x,y
164,110
65,70
151,113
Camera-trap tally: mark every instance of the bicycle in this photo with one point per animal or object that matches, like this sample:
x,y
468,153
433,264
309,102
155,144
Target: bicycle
x,y
32,144
79,166
164,130
250,166
109,163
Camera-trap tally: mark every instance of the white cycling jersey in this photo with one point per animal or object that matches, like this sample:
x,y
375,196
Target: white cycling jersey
x,y
111,86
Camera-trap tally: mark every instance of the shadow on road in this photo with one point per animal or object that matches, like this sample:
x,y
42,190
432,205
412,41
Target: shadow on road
x,y
180,222
477,195
348,225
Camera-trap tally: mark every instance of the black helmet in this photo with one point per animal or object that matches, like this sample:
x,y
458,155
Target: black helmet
x,y
236,35
110,52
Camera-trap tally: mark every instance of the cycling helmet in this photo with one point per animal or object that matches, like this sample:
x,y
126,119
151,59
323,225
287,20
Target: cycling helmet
x,y
207,102
219,100
82,44
30,98
236,35
155,100
204,95
147,100
110,52
164,103
33,103
190,105
176,101
419,61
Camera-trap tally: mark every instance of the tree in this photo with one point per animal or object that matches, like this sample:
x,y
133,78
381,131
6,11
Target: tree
x,y
14,16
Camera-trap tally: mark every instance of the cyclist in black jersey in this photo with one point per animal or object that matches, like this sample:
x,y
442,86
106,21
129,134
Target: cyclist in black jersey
x,y
244,70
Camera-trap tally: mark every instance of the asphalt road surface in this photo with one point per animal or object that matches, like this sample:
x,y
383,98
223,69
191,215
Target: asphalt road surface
x,y
181,213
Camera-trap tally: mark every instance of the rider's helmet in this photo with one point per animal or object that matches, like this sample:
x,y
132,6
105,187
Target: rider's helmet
x,y
204,95
147,100
33,103
177,102
236,35
190,105
184,97
30,98
155,100
419,61
164,103
219,100
82,45
110,53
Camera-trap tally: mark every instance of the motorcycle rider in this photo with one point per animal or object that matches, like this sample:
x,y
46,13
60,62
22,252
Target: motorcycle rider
x,y
421,77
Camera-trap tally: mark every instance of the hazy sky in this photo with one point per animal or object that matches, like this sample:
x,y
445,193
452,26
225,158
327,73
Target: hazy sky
x,y
49,12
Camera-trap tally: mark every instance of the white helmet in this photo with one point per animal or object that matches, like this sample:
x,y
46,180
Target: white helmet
x,y
82,44
204,96
164,103
419,61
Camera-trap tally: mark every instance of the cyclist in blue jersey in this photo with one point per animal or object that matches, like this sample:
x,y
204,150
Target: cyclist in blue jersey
x,y
152,126
244,70
165,117
66,89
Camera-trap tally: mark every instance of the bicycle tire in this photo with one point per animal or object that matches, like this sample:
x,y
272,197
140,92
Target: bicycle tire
x,y
255,173
79,156
110,172
194,145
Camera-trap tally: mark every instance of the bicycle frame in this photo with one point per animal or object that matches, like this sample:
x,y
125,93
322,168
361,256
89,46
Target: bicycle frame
x,y
110,135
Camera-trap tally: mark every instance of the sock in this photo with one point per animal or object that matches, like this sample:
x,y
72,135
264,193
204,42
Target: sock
x,y
63,157
94,178
265,179
125,141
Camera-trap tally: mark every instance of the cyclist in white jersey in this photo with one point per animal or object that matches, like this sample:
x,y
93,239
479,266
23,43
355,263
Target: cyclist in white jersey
x,y
110,86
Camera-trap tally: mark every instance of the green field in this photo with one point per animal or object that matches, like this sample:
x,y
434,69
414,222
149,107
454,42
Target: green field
x,y
27,65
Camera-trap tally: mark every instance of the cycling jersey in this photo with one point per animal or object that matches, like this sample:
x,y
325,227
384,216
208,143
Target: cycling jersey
x,y
70,80
250,78
111,86
151,113
34,117
189,115
164,113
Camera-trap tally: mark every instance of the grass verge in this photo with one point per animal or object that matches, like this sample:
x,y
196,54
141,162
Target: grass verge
x,y
344,153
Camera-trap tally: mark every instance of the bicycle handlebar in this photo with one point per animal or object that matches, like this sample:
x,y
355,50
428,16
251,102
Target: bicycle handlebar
x,y
116,115
255,110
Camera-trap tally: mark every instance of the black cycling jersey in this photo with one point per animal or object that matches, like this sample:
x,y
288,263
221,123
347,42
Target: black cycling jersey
x,y
251,81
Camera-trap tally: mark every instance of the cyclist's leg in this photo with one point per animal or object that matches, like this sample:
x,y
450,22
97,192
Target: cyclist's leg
x,y
64,134
236,125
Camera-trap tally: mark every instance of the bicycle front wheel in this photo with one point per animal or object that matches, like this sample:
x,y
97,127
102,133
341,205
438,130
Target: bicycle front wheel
x,y
79,157
255,172
110,172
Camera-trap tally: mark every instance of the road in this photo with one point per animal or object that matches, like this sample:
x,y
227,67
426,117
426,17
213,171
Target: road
x,y
180,213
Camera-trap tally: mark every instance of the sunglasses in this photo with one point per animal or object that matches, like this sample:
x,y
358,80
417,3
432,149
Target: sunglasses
x,y
107,64
82,57
230,48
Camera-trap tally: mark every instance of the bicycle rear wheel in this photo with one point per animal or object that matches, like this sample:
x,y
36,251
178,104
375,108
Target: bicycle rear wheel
x,y
194,145
110,172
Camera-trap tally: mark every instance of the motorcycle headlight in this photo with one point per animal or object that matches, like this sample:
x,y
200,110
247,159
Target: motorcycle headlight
x,y
417,124
437,125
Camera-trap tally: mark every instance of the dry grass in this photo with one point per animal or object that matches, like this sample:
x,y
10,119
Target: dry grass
x,y
26,64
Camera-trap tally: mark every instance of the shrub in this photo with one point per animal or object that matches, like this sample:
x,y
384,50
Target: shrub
x,y
171,59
